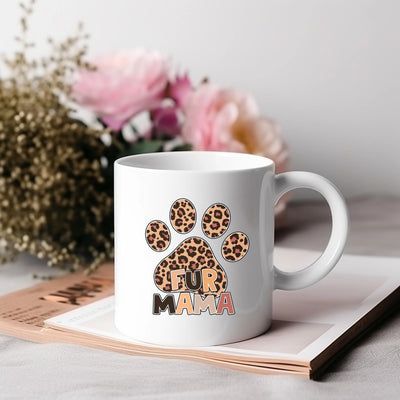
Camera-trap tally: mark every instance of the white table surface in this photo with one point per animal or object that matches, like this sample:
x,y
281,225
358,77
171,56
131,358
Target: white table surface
x,y
371,370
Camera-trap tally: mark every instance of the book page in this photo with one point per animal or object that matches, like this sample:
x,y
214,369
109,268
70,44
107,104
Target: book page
x,y
22,312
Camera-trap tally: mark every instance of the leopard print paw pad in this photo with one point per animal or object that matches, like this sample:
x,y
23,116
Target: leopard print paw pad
x,y
235,246
157,235
183,216
194,260
193,266
216,220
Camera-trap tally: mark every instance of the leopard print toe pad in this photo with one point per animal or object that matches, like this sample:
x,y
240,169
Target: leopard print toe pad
x,y
216,220
182,216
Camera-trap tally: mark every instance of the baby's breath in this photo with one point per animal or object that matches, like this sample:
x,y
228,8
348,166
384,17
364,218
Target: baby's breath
x,y
55,198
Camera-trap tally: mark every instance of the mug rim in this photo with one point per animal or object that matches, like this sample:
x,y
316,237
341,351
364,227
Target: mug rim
x,y
195,161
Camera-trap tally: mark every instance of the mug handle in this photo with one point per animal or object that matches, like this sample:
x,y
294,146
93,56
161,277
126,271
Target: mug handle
x,y
323,265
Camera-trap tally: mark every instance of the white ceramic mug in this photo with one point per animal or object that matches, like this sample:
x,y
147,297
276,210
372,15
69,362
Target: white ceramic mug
x,y
194,237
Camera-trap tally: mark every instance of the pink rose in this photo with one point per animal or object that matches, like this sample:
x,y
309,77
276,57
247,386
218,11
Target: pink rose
x,y
229,120
180,89
208,120
124,84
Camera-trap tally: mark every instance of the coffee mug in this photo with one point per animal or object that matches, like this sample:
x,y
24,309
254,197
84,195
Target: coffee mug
x,y
194,238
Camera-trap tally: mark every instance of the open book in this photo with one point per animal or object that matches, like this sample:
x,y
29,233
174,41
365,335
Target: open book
x,y
310,328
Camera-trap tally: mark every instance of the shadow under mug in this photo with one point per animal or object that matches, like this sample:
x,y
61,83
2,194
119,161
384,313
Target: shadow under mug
x,y
194,237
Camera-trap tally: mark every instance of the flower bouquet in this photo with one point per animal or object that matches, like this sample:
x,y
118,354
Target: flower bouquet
x,y
134,88
64,121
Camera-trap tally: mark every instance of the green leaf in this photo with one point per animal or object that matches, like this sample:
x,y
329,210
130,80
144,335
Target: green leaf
x,y
182,147
147,146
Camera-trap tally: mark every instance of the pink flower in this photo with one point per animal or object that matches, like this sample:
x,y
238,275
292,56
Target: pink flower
x,y
180,89
260,136
124,84
209,118
166,120
228,120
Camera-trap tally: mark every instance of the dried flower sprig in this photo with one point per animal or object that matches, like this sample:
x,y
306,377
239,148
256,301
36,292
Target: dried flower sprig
x,y
54,199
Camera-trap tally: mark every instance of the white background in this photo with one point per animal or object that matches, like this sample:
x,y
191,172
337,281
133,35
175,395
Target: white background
x,y
327,71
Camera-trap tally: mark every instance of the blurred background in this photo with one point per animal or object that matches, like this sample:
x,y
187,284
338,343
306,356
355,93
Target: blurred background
x,y
326,71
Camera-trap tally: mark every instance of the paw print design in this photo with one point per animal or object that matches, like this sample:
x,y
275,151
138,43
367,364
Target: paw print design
x,y
192,266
